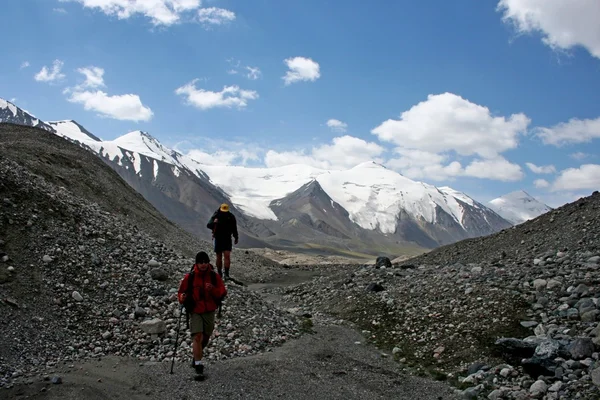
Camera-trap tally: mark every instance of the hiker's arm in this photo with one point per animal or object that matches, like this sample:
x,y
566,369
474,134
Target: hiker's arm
x,y
220,290
182,289
234,229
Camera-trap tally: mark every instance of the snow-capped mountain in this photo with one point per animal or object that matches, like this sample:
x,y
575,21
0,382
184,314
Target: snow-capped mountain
x,y
365,208
14,115
518,207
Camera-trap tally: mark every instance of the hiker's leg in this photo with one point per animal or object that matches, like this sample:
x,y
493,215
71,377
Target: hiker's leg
x,y
208,322
220,263
197,346
227,261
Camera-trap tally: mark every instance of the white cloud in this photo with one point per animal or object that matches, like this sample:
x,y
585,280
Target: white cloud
x,y
253,73
230,96
545,169
579,155
343,152
59,10
127,107
585,177
215,16
301,69
497,169
53,75
94,77
221,157
564,24
418,164
574,131
337,125
161,12
448,122
541,183
25,64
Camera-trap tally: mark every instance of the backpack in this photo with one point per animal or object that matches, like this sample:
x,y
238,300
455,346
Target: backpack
x,y
189,302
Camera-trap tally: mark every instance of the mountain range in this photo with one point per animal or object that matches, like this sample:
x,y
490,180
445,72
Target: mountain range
x,y
366,210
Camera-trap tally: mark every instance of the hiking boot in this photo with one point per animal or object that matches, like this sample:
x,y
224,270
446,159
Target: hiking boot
x,y
199,369
227,273
220,272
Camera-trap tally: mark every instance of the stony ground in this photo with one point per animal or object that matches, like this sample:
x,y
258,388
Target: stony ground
x,y
514,315
100,287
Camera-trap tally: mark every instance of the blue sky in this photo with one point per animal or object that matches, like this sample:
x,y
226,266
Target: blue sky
x,y
483,96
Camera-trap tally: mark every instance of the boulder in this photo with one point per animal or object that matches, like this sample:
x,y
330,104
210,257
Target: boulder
x,y
154,326
383,262
159,274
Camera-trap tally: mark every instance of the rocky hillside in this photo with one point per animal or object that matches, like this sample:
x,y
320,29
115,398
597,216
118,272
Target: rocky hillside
x,y
514,315
88,268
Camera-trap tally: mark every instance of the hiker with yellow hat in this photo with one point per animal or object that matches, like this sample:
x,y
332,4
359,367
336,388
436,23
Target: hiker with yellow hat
x,y
223,225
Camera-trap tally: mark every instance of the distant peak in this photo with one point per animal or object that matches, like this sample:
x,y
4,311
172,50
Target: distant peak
x,y
370,164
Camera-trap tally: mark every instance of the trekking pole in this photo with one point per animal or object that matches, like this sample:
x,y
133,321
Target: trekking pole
x,y
176,339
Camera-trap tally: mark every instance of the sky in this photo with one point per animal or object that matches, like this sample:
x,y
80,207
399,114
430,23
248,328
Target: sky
x,y
486,97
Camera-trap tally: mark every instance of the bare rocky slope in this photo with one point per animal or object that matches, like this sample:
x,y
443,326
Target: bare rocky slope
x,y
513,315
88,268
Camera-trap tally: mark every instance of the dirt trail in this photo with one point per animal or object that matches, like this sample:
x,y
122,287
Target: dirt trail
x,y
332,362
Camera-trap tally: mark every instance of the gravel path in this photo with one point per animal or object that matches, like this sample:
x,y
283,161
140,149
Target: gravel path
x,y
332,362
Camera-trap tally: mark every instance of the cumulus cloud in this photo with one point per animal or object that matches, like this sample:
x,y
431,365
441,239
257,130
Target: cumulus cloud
x,y
221,157
343,152
419,164
126,107
51,75
94,77
541,183
497,169
215,16
230,96
585,177
573,131
448,122
563,24
253,73
545,169
337,125
161,12
301,69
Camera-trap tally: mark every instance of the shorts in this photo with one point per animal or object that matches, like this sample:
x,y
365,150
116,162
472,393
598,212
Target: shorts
x,y
223,244
202,323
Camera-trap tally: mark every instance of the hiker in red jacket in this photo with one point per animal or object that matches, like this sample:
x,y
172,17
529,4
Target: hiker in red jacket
x,y
201,299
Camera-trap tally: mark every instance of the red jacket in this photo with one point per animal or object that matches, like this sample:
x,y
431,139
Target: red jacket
x,y
204,300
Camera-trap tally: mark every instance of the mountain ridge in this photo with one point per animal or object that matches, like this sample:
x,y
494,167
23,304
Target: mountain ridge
x,y
380,205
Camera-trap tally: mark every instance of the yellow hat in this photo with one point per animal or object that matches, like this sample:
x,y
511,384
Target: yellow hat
x,y
224,207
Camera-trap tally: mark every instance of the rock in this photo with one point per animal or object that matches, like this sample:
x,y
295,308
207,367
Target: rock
x,y
106,335
472,393
476,270
396,350
555,387
596,376
159,274
505,372
539,284
540,330
590,316
56,380
383,262
538,389
375,287
529,324
475,367
515,348
154,326
153,263
139,312
47,259
495,395
553,284
76,296
594,260
581,348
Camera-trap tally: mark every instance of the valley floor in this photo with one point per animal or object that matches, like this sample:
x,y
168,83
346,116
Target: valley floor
x,y
328,362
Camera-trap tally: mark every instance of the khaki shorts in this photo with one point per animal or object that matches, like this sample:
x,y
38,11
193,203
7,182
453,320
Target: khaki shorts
x,y
204,323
